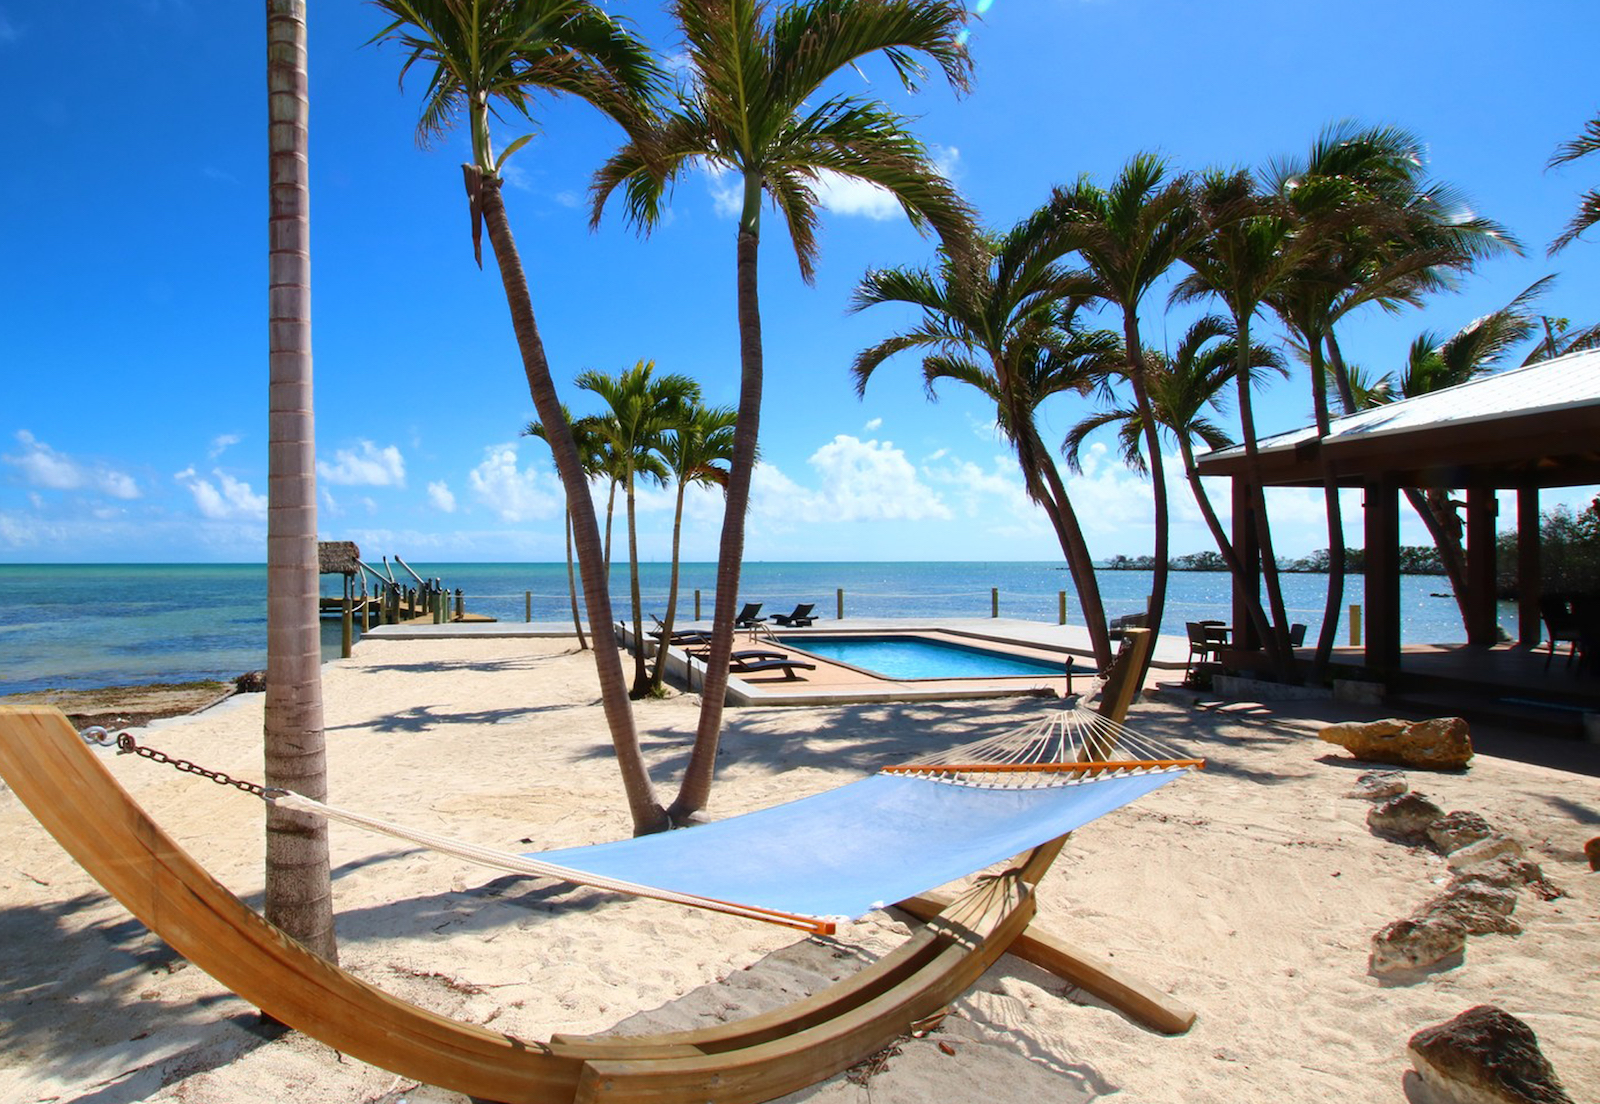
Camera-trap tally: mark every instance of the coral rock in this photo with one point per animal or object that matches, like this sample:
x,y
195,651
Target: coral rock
x,y
1478,908
1485,850
251,682
1377,785
1416,943
1406,817
1444,743
1457,829
1485,1055
1592,849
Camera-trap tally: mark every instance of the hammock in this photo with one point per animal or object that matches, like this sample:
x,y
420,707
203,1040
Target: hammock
x,y
840,854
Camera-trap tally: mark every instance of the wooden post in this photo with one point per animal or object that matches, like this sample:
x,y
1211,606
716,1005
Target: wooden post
x,y
461,605
839,594
1355,624
527,605
1061,597
697,603
1529,582
1483,626
346,623
994,601
1382,515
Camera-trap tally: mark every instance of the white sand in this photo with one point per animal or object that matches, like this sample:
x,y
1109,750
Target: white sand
x,y
1249,891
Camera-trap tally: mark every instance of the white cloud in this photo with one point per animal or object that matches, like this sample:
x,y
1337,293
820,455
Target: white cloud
x,y
211,172
227,499
43,466
372,467
516,494
873,424
222,443
727,191
439,494
858,481
847,195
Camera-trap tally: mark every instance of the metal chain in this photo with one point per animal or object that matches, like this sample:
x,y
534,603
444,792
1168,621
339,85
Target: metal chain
x,y
126,745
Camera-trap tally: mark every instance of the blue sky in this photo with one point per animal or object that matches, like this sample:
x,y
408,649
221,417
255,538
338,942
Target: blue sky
x,y
133,349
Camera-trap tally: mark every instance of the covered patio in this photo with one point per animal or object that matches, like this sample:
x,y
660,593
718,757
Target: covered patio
x,y
1501,439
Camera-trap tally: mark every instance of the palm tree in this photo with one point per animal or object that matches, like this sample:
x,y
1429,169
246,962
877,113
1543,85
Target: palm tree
x,y
1375,230
1249,251
1181,389
299,890
1588,213
498,52
754,106
1558,337
1001,321
591,450
697,450
640,408
1128,235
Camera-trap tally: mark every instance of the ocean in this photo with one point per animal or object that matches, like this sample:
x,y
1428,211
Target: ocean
x,y
83,626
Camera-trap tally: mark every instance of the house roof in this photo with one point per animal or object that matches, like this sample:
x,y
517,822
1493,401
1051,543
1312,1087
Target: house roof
x,y
1533,426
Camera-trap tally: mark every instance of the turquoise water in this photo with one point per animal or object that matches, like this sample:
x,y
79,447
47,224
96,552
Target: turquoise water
x,y
911,658
78,626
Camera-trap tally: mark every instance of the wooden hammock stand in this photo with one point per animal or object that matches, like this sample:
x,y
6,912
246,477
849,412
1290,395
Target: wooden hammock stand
x,y
62,781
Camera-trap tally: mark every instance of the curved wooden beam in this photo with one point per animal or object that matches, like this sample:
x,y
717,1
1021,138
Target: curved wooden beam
x,y
62,781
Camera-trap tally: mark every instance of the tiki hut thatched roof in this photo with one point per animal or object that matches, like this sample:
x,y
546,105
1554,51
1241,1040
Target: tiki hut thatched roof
x,y
337,557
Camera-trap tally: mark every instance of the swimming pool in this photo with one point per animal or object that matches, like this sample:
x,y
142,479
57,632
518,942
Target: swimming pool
x,y
916,657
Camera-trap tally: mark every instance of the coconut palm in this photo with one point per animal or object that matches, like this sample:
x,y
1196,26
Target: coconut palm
x,y
697,450
640,408
1128,235
1558,337
753,105
1182,388
1000,319
488,55
591,449
1587,142
299,891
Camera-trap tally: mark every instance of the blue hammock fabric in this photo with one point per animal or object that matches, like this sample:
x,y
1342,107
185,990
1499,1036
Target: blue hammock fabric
x,y
847,851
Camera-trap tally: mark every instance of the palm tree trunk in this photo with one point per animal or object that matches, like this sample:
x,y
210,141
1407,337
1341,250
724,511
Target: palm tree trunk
x,y
1330,494
1277,641
695,790
641,673
611,507
658,676
572,586
648,816
299,891
1079,562
1158,479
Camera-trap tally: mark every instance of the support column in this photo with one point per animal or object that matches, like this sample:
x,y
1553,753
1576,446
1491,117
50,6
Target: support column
x,y
1382,521
1530,582
1482,505
1248,547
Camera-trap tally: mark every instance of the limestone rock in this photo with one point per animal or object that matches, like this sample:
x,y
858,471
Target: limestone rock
x,y
1478,908
1416,943
1485,850
1444,743
1485,1055
1406,817
1457,829
251,682
1592,849
1509,872
1377,785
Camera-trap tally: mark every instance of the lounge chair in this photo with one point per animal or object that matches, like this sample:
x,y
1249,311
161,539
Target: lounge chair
x,y
68,787
742,656
799,618
786,665
747,618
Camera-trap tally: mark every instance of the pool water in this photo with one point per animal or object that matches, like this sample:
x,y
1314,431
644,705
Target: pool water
x,y
907,657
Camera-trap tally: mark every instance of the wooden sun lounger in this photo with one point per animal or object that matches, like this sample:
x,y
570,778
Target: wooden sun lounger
x,y
786,665
66,786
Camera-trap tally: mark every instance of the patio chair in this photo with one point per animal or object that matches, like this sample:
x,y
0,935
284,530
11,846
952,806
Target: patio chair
x,y
1205,645
747,618
799,618
1297,635
1120,625
1560,626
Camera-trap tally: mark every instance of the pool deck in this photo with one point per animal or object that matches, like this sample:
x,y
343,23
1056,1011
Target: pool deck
x,y
833,683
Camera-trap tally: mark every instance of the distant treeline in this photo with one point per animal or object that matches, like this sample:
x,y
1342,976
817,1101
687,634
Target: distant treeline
x,y
1415,559
1569,556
